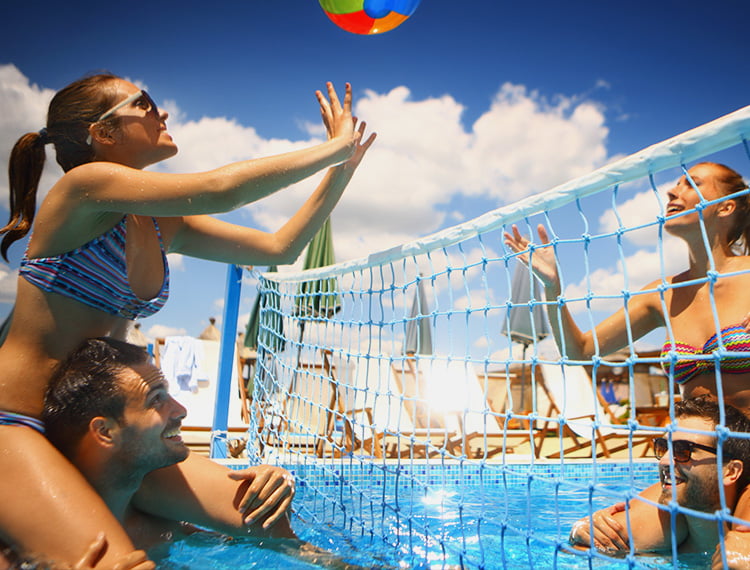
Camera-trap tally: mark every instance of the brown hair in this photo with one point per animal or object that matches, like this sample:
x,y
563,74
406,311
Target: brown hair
x,y
735,421
732,181
71,112
85,385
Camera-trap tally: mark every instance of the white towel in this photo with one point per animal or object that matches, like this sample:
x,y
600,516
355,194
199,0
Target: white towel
x,y
181,363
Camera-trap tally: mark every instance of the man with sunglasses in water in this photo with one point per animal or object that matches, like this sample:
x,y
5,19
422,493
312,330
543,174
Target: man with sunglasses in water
x,y
690,476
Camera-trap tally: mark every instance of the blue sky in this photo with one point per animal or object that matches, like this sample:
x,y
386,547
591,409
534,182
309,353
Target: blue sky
x,y
477,104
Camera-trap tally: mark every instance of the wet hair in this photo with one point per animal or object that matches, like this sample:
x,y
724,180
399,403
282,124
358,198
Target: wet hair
x,y
734,420
85,385
731,181
72,110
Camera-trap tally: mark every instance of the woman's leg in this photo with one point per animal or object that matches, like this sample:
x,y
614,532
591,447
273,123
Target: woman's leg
x,y
48,508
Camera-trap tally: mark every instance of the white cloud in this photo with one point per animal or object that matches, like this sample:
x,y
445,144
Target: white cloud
x,y
645,264
643,208
423,156
176,262
8,283
481,342
643,267
24,108
523,144
215,141
242,320
162,331
476,299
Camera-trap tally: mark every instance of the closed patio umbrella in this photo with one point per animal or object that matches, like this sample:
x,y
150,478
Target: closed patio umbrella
x,y
418,338
525,323
318,298
265,327
266,309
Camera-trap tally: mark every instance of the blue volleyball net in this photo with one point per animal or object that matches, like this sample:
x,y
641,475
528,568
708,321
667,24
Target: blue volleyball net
x,y
421,401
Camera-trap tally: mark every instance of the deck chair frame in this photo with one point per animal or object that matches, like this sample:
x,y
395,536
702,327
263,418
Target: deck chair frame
x,y
602,438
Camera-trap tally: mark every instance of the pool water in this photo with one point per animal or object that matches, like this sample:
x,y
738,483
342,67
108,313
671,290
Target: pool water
x,y
516,525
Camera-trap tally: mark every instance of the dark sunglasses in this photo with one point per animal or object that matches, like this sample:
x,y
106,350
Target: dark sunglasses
x,y
141,94
681,449
153,109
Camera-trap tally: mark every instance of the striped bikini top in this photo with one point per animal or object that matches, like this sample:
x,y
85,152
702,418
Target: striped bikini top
x,y
686,366
96,275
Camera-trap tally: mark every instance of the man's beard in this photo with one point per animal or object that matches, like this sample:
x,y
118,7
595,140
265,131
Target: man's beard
x,y
697,494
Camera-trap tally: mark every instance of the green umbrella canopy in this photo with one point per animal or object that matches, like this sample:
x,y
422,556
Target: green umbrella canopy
x,y
266,308
320,297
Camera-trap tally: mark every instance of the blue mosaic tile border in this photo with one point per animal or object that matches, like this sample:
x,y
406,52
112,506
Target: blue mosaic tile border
x,y
466,474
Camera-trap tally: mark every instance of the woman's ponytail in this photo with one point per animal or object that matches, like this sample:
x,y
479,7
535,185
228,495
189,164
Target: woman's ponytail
x,y
71,112
24,172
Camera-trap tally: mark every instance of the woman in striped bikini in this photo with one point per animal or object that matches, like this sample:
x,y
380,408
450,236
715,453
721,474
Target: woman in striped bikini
x,y
691,305
97,260
688,357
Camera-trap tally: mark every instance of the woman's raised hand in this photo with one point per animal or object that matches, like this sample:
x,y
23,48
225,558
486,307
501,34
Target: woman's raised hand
x,y
361,147
337,118
544,265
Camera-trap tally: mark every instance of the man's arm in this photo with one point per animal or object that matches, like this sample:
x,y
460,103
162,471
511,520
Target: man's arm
x,y
207,494
737,540
736,548
650,526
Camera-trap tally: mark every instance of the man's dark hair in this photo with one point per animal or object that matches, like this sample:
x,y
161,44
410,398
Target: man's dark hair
x,y
734,420
85,386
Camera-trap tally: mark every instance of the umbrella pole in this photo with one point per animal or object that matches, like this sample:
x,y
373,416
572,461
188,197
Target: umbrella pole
x,y
299,357
523,379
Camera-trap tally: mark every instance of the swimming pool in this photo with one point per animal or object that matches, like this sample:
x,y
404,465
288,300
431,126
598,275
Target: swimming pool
x,y
450,515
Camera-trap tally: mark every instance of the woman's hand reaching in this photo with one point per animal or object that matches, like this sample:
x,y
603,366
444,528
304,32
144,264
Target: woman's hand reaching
x,y
360,148
338,119
543,260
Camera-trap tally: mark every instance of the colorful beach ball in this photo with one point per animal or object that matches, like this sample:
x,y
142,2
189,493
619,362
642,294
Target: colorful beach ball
x,y
368,16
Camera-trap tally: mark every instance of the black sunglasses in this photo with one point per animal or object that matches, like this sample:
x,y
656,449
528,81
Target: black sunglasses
x,y
153,108
681,449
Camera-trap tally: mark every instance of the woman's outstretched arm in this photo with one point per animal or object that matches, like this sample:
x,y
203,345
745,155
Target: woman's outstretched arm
x,y
209,238
109,187
644,310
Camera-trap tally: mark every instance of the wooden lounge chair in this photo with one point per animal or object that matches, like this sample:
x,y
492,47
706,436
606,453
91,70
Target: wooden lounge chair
x,y
577,411
486,431
456,400
371,414
348,410
423,429
302,424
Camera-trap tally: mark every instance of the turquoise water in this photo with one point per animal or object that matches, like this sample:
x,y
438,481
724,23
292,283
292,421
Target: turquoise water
x,y
511,525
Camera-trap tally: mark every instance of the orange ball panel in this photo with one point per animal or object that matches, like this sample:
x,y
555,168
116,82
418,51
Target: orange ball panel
x,y
386,24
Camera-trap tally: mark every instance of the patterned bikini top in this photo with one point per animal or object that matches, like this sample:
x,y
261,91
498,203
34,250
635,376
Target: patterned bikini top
x,y
686,366
96,274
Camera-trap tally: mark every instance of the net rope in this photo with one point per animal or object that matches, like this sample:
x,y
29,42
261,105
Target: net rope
x,y
393,389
